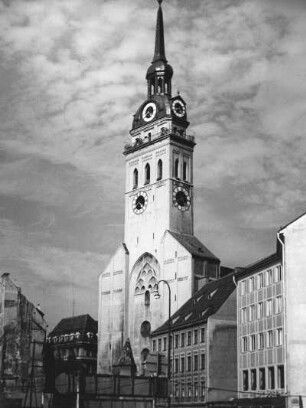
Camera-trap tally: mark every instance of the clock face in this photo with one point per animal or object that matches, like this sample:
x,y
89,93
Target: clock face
x,y
140,202
178,108
181,198
149,112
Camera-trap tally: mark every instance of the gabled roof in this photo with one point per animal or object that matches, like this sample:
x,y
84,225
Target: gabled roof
x,y
193,245
291,222
259,265
203,304
82,324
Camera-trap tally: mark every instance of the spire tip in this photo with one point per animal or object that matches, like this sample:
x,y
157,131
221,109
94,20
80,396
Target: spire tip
x,y
160,2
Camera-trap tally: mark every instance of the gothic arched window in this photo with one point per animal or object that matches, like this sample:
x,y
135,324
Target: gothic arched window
x,y
159,169
147,298
185,171
147,173
135,178
176,168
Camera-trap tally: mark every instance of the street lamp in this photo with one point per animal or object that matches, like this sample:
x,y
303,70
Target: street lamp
x,y
157,296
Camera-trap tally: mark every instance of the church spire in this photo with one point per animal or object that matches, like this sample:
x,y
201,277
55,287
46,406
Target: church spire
x,y
159,73
159,53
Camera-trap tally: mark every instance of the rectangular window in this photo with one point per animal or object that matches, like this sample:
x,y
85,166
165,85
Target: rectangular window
x,y
244,315
279,337
280,376
262,378
176,390
202,361
165,343
278,273
176,364
270,339
189,394
195,337
195,362
269,307
253,379
182,339
182,364
154,345
261,341
189,363
203,335
278,304
244,344
245,380
196,390
259,310
260,281
183,391
269,277
251,284
252,313
252,342
176,340
189,338
243,288
271,379
202,390
159,344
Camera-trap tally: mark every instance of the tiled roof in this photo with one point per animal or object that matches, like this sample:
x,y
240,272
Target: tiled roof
x,y
193,245
83,324
204,303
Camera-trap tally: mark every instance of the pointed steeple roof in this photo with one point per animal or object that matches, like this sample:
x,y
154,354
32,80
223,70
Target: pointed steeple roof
x,y
159,53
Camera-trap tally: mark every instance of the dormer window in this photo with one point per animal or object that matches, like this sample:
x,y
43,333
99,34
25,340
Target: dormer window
x,y
147,174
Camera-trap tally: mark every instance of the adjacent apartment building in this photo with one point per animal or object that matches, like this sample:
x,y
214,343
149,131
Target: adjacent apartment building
x,y
22,334
271,318
203,355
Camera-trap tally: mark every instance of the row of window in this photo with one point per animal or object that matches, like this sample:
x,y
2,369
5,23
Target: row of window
x,y
265,378
190,391
262,309
266,278
190,363
159,175
262,340
191,337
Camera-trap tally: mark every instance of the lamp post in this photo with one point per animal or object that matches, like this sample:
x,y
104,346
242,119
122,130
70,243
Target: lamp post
x,y
157,296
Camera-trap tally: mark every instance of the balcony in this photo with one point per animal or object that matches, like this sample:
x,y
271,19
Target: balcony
x,y
152,138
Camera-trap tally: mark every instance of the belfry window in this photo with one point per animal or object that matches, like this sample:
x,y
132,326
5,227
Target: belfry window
x,y
159,169
185,171
176,168
147,173
160,85
135,178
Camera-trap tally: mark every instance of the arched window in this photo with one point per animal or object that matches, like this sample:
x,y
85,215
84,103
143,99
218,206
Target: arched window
x,y
135,178
147,173
185,171
166,87
160,85
176,168
147,298
159,169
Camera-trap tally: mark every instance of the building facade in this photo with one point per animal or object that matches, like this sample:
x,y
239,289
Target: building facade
x,y
22,334
158,240
271,321
203,341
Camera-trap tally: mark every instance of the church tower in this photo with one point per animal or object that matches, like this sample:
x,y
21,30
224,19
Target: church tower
x,y
158,237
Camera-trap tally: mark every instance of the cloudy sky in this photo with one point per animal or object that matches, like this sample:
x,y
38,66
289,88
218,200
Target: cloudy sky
x,y
71,77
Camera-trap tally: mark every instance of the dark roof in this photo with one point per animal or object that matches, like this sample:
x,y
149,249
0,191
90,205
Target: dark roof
x,y
83,324
203,304
193,245
259,265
